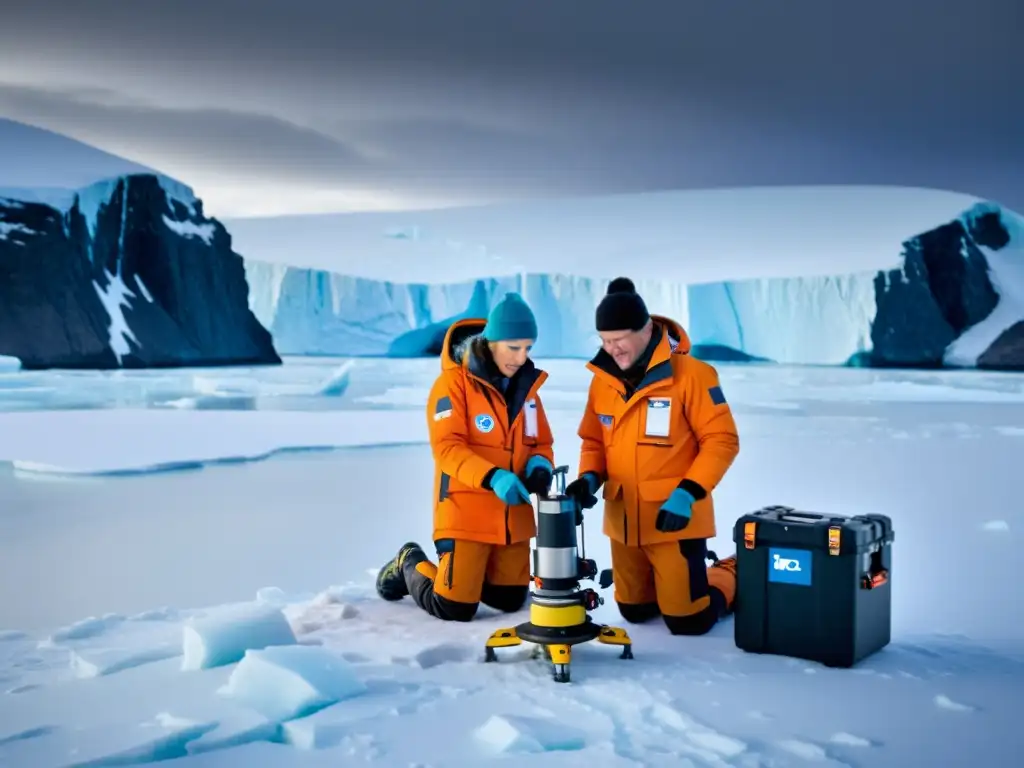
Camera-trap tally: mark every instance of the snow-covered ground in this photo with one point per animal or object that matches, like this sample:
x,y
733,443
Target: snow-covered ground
x,y
109,586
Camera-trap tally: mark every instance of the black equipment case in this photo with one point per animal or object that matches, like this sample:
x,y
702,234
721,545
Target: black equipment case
x,y
813,586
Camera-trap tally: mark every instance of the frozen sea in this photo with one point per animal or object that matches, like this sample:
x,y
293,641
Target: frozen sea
x,y
133,504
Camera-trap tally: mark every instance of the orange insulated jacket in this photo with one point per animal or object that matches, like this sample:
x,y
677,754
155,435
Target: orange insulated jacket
x,y
471,433
676,427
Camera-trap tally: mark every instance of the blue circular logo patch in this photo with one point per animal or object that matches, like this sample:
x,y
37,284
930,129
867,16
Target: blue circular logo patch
x,y
484,422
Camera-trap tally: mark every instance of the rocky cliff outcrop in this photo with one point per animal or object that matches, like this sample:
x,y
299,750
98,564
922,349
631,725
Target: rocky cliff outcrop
x,y
943,300
131,275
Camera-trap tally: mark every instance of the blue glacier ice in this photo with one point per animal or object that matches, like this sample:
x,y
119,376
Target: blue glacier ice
x,y
954,281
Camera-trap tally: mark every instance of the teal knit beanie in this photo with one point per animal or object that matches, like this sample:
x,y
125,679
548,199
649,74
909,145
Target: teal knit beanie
x,y
510,319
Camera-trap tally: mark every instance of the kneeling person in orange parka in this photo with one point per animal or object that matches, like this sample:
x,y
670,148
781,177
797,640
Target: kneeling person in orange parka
x,y
492,447
659,436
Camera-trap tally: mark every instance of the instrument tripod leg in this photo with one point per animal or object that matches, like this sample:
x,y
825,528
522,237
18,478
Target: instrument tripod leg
x,y
617,636
500,638
561,658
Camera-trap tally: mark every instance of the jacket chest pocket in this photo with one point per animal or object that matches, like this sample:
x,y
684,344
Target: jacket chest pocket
x,y
658,421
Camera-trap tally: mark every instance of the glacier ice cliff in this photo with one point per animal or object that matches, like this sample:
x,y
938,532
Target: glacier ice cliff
x,y
314,312
129,274
954,301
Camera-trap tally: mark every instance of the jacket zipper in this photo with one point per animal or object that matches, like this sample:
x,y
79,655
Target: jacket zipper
x,y
511,468
512,454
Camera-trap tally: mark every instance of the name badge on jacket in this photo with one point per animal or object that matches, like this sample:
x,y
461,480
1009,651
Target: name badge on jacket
x,y
530,415
659,411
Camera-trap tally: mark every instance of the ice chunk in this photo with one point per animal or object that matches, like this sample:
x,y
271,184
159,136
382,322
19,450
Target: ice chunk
x,y
6,635
96,662
84,629
224,638
503,734
332,726
337,384
285,682
156,614
101,745
8,363
272,596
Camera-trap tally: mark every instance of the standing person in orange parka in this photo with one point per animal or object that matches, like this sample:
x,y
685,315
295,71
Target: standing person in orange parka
x,y
659,435
492,447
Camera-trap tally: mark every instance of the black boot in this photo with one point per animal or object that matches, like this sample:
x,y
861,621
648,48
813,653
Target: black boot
x,y
391,583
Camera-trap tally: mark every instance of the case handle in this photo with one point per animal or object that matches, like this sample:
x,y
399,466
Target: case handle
x,y
801,517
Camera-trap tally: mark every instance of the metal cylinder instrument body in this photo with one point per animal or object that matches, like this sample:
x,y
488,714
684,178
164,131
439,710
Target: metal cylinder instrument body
x,y
558,607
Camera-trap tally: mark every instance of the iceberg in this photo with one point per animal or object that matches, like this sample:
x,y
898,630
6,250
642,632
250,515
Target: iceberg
x,y
952,294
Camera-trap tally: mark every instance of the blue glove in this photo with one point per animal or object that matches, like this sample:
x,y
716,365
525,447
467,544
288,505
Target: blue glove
x,y
509,488
539,474
674,514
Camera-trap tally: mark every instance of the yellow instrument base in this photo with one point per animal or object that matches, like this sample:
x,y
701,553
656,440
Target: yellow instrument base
x,y
559,653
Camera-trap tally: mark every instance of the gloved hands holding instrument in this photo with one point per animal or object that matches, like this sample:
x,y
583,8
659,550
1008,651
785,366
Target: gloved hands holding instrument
x,y
539,474
583,489
509,488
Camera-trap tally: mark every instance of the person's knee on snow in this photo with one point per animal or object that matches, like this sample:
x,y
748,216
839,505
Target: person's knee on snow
x,y
718,583
638,613
699,623
467,573
421,577
722,583
504,597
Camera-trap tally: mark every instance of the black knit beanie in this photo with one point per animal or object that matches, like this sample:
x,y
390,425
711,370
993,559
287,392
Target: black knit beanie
x,y
621,309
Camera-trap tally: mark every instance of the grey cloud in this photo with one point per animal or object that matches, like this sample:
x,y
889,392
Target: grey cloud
x,y
454,98
244,145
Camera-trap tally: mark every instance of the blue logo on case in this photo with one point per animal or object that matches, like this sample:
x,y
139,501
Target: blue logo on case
x,y
789,566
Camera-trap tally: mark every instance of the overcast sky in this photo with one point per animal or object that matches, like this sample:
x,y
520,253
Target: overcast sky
x,y
314,105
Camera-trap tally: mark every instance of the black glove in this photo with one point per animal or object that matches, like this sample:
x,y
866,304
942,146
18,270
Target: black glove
x,y
583,490
539,474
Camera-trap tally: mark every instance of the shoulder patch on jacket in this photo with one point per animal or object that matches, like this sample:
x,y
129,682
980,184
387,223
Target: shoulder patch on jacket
x,y
443,409
717,396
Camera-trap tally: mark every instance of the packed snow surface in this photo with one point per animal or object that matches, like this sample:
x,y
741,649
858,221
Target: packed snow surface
x,y
227,616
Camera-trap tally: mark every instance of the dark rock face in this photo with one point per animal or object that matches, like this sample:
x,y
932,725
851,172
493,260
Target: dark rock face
x,y
942,289
132,276
1006,353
